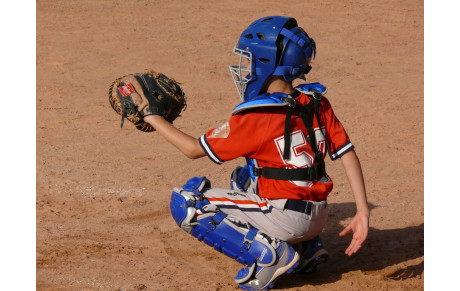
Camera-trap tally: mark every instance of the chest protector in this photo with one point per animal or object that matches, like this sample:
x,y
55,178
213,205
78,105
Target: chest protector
x,y
307,113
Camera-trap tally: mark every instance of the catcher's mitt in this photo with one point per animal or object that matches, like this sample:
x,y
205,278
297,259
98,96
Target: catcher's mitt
x,y
135,96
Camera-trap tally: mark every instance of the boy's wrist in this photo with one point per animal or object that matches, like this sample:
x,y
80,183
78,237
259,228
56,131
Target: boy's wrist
x,y
364,212
152,119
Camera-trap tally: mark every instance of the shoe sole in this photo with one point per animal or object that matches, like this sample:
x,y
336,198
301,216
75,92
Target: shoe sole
x,y
320,254
317,261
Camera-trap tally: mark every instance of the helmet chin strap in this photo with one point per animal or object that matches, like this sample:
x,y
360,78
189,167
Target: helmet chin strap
x,y
302,76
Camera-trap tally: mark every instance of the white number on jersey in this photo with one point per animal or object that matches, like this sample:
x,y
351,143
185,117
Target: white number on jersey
x,y
299,157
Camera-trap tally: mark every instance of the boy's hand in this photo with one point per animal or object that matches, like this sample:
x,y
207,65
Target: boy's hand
x,y
360,227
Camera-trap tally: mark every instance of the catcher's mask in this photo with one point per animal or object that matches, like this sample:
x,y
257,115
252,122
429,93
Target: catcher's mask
x,y
272,45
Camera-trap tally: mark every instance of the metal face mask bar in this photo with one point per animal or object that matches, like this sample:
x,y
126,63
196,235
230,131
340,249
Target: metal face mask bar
x,y
237,71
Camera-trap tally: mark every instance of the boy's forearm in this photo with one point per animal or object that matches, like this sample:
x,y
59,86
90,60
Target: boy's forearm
x,y
187,144
354,173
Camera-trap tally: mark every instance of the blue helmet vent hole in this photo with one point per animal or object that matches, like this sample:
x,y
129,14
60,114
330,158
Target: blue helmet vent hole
x,y
260,36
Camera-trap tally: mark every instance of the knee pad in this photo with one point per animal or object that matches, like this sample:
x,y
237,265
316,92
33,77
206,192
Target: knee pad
x,y
186,201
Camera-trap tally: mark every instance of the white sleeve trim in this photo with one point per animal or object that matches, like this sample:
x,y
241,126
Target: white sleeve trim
x,y
208,150
342,150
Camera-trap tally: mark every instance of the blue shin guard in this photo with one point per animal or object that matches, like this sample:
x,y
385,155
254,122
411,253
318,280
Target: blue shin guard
x,y
245,246
214,229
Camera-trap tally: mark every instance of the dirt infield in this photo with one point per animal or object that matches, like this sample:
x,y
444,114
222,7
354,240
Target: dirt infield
x,y
102,205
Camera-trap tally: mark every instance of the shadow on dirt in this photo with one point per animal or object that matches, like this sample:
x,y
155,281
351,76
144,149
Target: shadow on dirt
x,y
383,248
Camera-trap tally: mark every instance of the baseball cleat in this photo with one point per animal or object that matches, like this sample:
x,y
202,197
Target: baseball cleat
x,y
263,278
312,253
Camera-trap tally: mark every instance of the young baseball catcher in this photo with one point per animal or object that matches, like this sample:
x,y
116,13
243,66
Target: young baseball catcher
x,y
271,218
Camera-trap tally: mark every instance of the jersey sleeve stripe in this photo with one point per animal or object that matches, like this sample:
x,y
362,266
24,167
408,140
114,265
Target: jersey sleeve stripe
x,y
208,150
342,150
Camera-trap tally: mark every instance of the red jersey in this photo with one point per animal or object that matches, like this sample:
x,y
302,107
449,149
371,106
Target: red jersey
x,y
259,134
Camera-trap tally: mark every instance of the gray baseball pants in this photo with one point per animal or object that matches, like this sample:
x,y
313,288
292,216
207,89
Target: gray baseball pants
x,y
268,215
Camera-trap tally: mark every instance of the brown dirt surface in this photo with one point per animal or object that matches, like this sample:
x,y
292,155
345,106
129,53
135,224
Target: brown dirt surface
x,y
102,193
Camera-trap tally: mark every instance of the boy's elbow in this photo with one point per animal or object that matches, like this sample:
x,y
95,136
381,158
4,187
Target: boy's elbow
x,y
194,153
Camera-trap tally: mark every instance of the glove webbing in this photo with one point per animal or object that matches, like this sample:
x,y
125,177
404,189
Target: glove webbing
x,y
151,93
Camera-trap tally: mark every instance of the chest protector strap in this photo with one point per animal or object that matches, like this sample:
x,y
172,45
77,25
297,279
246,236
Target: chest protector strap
x,y
306,113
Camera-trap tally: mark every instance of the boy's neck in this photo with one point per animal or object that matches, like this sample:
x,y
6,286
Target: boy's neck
x,y
278,84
